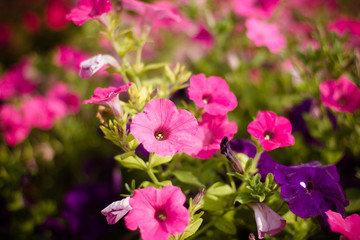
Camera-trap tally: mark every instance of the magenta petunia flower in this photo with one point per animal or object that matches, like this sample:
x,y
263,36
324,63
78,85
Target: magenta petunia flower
x,y
255,8
267,220
349,227
265,34
212,129
163,129
88,9
36,112
212,94
12,124
90,66
109,97
341,95
158,212
271,131
69,58
116,210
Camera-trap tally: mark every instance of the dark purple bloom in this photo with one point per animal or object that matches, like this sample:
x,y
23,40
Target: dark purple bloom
x,y
266,165
243,146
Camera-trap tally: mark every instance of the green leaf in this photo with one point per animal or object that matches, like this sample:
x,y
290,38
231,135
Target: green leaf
x,y
219,189
188,178
192,228
248,164
353,195
165,183
244,197
131,162
157,160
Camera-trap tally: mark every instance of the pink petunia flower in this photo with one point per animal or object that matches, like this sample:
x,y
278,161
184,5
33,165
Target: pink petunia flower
x,y
341,95
55,14
158,212
267,220
212,129
12,125
15,81
69,58
116,210
163,129
90,66
265,34
36,112
212,94
109,97
271,131
255,8
88,9
349,227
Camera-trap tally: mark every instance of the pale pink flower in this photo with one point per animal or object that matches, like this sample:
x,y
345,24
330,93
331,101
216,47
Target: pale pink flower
x,y
271,131
116,210
163,129
15,81
349,227
69,58
255,8
36,112
212,129
12,124
267,220
212,94
109,97
88,9
341,95
90,66
158,212
62,101
265,34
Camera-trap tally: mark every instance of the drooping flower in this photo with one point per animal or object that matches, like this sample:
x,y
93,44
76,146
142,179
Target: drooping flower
x,y
90,66
109,97
163,129
271,131
265,34
88,9
341,95
311,189
267,220
212,94
349,227
12,125
212,129
255,8
158,212
116,210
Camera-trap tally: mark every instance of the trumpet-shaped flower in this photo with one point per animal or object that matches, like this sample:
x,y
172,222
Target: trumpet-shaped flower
x,y
271,131
90,66
341,95
212,94
88,9
212,129
265,34
116,210
349,227
109,97
267,220
158,212
163,129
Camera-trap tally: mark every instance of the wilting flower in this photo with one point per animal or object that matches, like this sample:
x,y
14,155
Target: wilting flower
x,y
212,94
158,212
12,124
88,9
163,129
116,210
267,220
349,227
265,34
341,95
255,8
271,131
212,129
90,66
109,97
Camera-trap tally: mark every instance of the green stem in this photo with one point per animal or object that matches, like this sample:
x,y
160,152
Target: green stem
x,y
231,179
152,176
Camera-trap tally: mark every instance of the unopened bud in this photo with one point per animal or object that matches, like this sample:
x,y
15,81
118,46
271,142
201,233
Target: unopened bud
x,y
199,196
229,154
252,236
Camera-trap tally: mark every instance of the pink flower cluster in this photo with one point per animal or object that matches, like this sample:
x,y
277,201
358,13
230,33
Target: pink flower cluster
x,y
34,110
156,212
